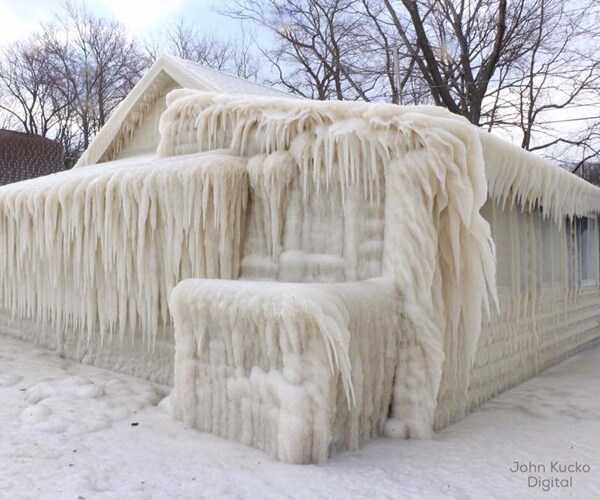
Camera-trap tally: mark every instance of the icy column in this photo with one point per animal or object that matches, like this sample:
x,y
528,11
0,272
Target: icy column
x,y
439,251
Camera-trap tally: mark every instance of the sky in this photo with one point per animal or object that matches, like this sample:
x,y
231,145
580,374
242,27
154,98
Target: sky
x,y
19,18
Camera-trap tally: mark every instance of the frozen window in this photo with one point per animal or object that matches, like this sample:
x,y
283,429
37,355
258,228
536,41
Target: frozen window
x,y
553,264
548,258
587,250
538,238
524,248
571,261
558,254
593,249
502,239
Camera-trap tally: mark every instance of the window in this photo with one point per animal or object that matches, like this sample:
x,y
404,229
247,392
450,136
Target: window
x,y
552,253
547,253
502,237
537,219
524,221
593,249
570,227
587,250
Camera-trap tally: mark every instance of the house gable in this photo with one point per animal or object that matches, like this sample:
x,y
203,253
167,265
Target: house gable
x,y
138,133
132,130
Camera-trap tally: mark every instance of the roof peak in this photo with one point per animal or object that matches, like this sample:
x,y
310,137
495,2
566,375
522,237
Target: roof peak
x,y
194,66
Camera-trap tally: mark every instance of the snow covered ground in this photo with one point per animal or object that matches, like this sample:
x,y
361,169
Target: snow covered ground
x,y
71,431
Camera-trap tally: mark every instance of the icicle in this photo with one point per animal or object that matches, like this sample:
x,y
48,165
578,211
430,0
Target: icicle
x,y
519,177
91,263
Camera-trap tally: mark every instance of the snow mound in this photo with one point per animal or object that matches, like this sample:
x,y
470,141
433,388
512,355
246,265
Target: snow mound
x,y
9,379
76,405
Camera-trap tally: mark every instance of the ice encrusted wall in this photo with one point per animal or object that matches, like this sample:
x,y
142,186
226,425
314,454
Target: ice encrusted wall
x,y
92,254
548,310
545,313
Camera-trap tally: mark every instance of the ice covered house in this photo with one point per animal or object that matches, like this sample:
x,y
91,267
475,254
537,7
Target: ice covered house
x,y
314,274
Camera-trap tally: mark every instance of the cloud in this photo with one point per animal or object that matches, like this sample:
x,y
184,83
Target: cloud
x,y
140,15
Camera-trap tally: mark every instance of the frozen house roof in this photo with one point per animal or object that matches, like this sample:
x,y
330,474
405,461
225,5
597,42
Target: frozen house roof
x,y
516,176
210,79
138,113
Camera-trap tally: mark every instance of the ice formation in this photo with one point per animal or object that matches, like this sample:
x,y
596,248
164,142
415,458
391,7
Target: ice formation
x,y
518,178
97,250
132,129
296,369
370,217
427,166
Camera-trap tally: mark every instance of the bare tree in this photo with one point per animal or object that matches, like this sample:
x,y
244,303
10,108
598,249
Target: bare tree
x,y
184,39
457,47
507,64
315,49
95,65
392,63
559,71
28,94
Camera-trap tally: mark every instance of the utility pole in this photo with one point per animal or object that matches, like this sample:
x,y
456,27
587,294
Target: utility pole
x,y
397,74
